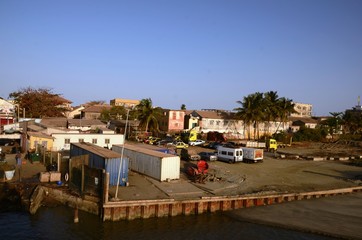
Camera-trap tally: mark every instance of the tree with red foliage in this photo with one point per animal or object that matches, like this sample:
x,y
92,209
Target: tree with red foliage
x,y
38,103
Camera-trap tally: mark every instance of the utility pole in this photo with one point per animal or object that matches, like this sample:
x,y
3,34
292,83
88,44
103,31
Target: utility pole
x,y
121,161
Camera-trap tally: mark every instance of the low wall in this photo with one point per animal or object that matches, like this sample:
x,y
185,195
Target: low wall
x,y
129,210
84,204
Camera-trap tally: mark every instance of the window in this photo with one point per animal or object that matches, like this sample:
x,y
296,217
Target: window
x,y
81,140
67,141
107,141
223,152
211,122
94,140
230,154
174,116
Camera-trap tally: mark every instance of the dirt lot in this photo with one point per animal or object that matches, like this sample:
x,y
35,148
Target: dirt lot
x,y
293,173
273,175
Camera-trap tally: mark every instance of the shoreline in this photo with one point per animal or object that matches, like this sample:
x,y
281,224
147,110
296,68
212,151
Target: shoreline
x,y
337,216
310,212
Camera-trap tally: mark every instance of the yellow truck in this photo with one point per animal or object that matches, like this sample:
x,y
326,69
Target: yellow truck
x,y
272,145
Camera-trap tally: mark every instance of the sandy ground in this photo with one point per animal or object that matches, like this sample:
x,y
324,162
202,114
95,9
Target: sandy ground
x,y
273,175
338,216
276,174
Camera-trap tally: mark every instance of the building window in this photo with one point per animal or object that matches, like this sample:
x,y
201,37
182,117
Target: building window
x,y
211,122
94,140
81,140
107,141
174,116
67,141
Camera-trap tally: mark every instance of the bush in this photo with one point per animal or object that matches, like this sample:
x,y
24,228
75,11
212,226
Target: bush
x,y
310,134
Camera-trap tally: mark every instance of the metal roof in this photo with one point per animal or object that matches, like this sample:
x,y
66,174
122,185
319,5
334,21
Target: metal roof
x,y
100,151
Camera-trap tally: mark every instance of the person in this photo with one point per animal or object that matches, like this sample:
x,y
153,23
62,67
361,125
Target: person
x,y
18,163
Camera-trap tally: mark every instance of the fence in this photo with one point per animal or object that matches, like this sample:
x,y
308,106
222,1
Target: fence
x,y
83,179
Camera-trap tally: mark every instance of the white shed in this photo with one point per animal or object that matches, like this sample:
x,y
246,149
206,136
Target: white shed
x,y
153,163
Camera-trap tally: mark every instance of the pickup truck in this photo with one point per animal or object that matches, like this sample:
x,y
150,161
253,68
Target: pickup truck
x,y
189,155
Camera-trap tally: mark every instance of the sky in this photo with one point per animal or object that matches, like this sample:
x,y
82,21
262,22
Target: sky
x,y
206,54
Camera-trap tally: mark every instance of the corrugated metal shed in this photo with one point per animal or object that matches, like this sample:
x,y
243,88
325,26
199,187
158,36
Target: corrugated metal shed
x,y
103,158
151,162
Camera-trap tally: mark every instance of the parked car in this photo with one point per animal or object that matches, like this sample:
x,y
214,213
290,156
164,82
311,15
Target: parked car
x,y
213,145
164,142
208,156
189,155
178,144
154,140
197,142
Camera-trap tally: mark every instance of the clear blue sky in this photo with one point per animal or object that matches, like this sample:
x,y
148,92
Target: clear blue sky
x,y
201,53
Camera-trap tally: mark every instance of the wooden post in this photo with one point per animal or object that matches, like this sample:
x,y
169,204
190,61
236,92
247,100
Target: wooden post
x,y
82,186
51,157
44,155
76,218
105,186
58,162
70,169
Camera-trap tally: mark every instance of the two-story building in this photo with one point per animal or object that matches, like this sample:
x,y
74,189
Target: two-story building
x,y
127,103
172,121
94,111
215,121
302,110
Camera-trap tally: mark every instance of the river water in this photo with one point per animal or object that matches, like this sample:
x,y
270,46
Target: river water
x,y
58,223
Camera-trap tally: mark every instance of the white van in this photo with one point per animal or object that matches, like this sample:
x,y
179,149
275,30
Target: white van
x,y
229,154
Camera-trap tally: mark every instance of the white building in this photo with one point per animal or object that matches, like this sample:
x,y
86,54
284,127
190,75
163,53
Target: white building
x,y
62,141
302,110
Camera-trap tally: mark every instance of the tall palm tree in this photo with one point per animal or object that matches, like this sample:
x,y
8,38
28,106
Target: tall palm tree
x,y
333,124
251,111
285,107
148,115
272,108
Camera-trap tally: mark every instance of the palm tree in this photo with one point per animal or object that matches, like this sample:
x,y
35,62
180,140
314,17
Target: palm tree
x,y
285,108
148,115
251,111
271,107
333,124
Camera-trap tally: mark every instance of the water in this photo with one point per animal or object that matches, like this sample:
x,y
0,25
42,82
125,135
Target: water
x,y
57,223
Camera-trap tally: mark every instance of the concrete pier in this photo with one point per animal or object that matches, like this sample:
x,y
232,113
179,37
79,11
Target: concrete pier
x,y
129,210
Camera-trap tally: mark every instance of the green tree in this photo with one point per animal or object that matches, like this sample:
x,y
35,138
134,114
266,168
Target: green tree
x,y
251,111
285,107
183,107
353,121
263,107
271,107
333,124
39,103
114,113
148,115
